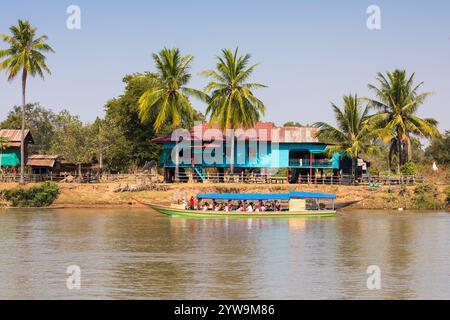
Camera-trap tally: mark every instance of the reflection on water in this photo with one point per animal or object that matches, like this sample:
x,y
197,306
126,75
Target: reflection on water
x,y
140,254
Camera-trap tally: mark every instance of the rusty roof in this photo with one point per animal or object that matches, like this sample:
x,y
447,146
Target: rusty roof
x,y
14,136
262,131
41,163
42,160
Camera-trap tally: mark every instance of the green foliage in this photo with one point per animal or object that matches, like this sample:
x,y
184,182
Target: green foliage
x,y
409,169
293,124
26,51
73,140
37,196
439,150
373,171
352,135
166,94
397,102
39,120
427,197
231,103
135,146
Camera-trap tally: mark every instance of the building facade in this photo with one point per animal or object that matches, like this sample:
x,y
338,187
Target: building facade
x,y
262,148
10,153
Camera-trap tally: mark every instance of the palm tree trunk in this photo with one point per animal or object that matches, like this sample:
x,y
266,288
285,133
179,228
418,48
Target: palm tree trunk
x,y
354,160
232,155
408,150
22,131
391,154
177,164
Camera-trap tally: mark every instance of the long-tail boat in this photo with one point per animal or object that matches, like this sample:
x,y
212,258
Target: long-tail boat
x,y
294,205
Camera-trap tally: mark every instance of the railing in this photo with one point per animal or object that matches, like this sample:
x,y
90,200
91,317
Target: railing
x,y
302,179
301,163
86,178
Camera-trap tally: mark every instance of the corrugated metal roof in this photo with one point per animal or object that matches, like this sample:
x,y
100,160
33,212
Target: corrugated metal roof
x,y
262,131
41,163
15,135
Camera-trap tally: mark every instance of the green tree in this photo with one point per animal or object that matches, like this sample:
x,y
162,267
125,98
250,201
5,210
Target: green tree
x,y
293,124
439,149
39,120
352,135
73,141
167,94
231,102
109,144
24,56
123,113
397,102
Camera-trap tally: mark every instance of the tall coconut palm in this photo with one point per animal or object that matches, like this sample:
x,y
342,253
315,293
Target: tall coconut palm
x,y
397,103
24,56
231,103
352,134
168,96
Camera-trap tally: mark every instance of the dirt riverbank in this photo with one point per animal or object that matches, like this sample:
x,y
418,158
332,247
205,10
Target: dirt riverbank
x,y
363,197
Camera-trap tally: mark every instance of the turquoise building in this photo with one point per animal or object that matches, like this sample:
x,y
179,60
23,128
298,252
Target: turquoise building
x,y
259,149
10,149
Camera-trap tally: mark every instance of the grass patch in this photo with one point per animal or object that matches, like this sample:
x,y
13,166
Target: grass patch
x,y
427,197
40,195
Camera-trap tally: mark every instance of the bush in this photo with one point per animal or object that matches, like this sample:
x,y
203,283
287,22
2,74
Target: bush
x,y
409,169
427,197
38,196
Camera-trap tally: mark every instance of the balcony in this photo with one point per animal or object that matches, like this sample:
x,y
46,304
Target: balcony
x,y
319,164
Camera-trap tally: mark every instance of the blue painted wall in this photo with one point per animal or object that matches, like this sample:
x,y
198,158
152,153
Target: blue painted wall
x,y
276,156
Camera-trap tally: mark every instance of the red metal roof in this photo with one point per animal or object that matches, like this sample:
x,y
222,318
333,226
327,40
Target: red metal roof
x,y
262,131
14,136
42,160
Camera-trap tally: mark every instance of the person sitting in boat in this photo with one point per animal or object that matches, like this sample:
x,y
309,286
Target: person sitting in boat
x,y
227,207
205,206
250,207
275,206
191,203
263,208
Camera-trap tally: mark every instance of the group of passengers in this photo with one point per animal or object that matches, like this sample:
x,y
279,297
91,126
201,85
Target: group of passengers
x,y
229,206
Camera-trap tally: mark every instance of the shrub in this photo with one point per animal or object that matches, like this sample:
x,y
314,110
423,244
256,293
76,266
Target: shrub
x,y
427,197
37,196
409,169
373,171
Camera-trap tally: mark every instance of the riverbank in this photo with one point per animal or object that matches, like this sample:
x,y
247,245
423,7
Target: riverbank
x,y
428,196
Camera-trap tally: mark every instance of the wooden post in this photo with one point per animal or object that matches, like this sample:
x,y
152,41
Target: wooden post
x,y
311,158
287,175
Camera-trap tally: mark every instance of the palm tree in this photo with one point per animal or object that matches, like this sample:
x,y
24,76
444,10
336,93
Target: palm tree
x,y
231,103
24,56
352,135
167,96
397,103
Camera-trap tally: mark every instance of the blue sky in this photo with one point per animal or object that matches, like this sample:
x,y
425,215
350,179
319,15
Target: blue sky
x,y
311,52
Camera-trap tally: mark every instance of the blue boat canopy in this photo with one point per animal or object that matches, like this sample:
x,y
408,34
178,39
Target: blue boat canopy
x,y
266,196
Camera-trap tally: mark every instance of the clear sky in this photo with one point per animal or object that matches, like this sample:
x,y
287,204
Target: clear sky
x,y
311,52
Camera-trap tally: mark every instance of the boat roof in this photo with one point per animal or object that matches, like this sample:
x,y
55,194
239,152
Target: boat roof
x,y
266,196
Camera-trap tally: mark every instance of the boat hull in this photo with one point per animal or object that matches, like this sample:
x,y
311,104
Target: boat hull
x,y
214,214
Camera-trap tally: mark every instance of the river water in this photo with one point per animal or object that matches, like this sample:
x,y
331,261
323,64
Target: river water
x,y
140,254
